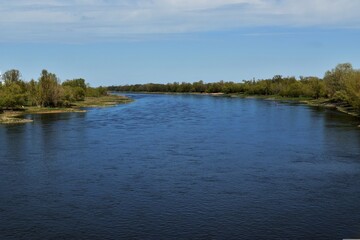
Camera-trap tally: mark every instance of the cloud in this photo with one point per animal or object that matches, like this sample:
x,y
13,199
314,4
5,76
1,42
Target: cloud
x,y
81,20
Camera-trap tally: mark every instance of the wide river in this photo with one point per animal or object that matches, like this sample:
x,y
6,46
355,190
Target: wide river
x,y
182,167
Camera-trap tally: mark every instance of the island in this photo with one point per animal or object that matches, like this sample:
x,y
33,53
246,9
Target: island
x,y
48,95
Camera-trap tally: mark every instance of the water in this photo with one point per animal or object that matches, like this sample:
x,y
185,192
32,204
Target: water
x,y
186,167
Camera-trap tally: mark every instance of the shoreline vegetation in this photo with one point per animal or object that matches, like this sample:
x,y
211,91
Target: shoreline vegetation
x,y
339,89
48,96
16,116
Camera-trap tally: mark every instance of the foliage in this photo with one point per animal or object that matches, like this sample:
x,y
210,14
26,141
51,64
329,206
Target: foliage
x,y
46,92
11,76
75,83
50,93
336,78
32,90
12,95
96,92
341,84
74,90
352,90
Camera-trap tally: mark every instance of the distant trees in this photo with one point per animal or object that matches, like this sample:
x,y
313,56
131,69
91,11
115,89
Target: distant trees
x,y
13,91
11,76
79,82
46,92
12,95
96,92
352,90
341,84
199,86
74,90
50,93
313,87
336,78
32,90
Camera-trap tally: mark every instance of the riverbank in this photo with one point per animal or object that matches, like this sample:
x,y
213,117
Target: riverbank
x,y
321,102
338,106
16,116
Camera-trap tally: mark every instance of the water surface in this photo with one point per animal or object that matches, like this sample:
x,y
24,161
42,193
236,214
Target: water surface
x,y
187,167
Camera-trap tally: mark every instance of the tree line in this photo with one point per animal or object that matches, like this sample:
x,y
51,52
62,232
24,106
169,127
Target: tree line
x,y
341,84
47,91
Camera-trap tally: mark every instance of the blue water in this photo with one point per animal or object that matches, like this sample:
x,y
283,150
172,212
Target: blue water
x,y
184,167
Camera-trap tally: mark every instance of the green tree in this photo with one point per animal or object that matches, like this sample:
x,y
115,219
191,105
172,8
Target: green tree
x,y
72,94
336,78
11,76
50,92
199,86
32,89
12,95
352,90
79,82
96,92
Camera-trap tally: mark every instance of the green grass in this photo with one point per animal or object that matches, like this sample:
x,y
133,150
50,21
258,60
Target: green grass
x,y
104,101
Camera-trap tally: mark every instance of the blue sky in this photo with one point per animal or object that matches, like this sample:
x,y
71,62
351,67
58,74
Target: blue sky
x,y
110,42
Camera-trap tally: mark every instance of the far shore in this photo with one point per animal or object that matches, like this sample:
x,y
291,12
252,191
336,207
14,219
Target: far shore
x,y
16,116
321,102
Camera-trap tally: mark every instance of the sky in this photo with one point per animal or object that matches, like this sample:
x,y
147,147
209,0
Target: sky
x,y
118,42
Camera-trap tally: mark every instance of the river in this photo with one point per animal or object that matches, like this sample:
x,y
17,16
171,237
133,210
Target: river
x,y
182,167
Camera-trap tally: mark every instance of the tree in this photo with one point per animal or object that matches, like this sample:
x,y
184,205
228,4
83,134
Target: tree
x,y
75,89
199,86
79,82
96,92
50,91
313,87
336,78
12,95
11,76
32,89
13,91
352,90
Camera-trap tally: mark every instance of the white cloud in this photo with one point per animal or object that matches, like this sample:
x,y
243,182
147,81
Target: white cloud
x,y
77,20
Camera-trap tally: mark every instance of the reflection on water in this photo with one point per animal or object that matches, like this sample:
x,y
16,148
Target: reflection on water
x,y
182,167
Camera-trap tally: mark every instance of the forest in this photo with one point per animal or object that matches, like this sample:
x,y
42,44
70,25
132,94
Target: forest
x,y
339,85
47,91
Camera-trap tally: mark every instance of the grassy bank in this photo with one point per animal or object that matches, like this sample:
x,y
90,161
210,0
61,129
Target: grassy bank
x,y
321,102
104,101
12,117
338,106
16,116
